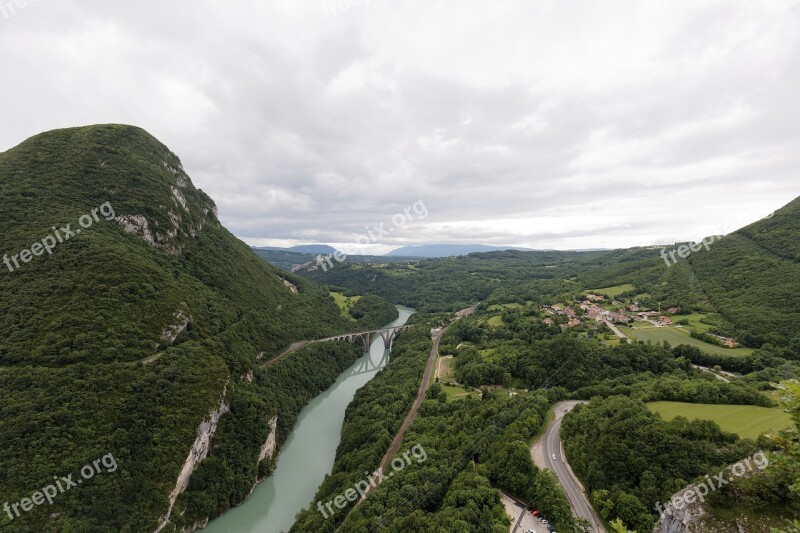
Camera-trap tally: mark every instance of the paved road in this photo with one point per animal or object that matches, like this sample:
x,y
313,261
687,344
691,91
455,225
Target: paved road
x,y
290,350
548,452
521,519
616,331
713,373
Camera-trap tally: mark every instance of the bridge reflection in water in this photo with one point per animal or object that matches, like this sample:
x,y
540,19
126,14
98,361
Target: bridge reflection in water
x,y
368,365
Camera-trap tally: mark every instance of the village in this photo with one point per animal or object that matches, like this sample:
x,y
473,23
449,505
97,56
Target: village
x,y
610,311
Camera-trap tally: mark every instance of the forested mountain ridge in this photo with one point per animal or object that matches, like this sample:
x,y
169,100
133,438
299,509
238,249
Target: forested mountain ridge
x,y
749,278
124,337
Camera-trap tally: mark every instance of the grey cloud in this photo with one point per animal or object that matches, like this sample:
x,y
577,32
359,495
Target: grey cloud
x,y
543,124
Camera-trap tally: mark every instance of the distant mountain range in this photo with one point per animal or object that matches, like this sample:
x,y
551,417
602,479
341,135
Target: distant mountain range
x,y
288,258
449,250
302,249
420,251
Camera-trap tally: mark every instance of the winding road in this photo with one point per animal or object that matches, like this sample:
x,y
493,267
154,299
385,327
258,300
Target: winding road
x,y
548,452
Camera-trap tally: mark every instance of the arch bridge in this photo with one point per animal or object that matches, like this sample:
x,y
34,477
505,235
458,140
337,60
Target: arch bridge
x,y
367,337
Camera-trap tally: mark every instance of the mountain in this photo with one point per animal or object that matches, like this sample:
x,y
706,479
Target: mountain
x,y
133,328
748,282
301,249
289,261
752,277
313,249
447,250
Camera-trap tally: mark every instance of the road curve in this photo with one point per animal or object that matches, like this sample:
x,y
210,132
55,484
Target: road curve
x,y
550,446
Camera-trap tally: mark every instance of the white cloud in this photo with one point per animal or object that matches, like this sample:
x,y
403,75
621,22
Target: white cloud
x,y
542,123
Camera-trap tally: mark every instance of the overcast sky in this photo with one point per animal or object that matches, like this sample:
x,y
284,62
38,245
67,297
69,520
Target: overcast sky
x,y
542,123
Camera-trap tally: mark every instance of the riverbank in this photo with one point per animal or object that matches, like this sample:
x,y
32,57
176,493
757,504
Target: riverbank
x,y
308,454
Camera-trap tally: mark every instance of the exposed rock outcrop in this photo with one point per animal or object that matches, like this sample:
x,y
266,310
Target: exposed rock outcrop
x,y
138,225
268,449
684,520
202,524
180,199
172,331
198,452
291,286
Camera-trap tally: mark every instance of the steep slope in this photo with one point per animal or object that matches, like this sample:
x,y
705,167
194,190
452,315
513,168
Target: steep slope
x,y
131,327
752,277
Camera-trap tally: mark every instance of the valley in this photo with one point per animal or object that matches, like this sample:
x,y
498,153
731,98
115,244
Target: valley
x,y
310,449
245,402
360,266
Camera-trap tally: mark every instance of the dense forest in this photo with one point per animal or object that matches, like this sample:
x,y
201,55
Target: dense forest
x,y
628,455
126,337
373,312
630,460
726,280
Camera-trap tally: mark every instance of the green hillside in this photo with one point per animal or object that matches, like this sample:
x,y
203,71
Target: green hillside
x,y
752,277
748,281
124,338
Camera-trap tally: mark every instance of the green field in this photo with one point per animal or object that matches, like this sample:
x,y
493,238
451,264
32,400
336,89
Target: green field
x,y
748,421
676,336
496,321
612,292
498,307
345,303
694,321
456,393
446,369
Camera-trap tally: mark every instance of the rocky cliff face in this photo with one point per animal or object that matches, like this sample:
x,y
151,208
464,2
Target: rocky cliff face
x,y
684,520
197,453
173,224
267,452
268,449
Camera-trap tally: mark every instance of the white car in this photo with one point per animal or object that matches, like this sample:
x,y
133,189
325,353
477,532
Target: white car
x,y
554,457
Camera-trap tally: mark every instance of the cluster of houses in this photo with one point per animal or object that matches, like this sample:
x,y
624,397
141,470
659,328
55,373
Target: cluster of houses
x,y
631,313
599,314
572,316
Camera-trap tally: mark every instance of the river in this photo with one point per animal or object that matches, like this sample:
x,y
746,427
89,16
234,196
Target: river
x,y
307,457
